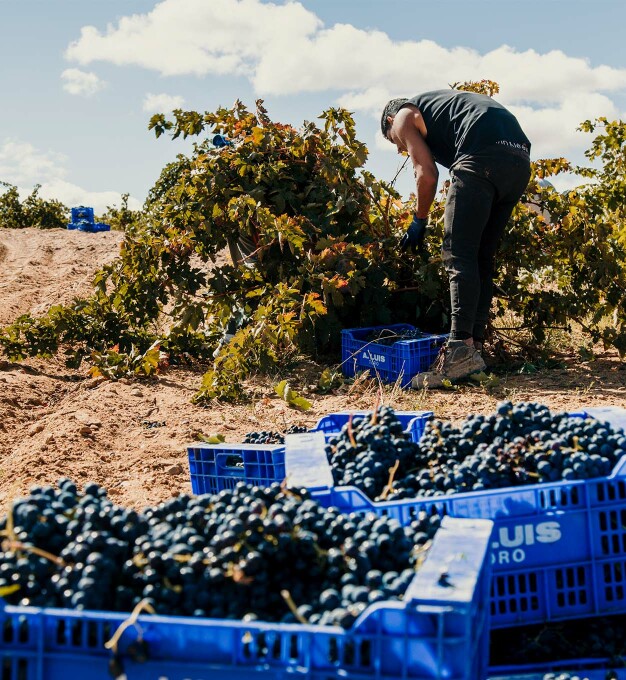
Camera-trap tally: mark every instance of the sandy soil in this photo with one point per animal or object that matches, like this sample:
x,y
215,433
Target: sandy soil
x,y
58,422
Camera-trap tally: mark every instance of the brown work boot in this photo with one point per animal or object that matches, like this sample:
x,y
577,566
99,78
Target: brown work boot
x,y
456,360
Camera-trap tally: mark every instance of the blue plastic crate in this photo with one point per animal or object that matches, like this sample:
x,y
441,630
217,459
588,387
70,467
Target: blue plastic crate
x,y
82,213
559,549
589,669
413,422
401,360
83,220
80,226
89,227
438,632
214,467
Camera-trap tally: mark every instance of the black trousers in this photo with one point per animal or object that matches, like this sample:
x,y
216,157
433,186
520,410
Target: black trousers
x,y
241,250
481,198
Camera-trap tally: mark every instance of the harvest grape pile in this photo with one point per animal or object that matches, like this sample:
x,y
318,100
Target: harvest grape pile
x,y
247,553
518,444
271,437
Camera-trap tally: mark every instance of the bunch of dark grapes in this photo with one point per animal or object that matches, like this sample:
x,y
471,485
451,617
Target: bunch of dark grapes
x,y
368,449
64,548
388,336
248,553
271,437
519,444
596,638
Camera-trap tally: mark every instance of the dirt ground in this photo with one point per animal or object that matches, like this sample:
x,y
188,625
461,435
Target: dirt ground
x,y
58,422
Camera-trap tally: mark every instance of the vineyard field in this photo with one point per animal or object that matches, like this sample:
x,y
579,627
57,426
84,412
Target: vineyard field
x,y
131,436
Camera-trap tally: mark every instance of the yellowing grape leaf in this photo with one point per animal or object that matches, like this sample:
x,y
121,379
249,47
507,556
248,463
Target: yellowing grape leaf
x,y
291,397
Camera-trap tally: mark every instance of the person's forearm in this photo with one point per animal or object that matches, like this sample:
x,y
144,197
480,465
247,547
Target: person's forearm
x,y
426,188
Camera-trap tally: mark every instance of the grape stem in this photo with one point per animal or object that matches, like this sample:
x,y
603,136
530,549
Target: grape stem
x,y
286,595
420,552
287,491
376,405
10,524
144,605
171,586
392,473
13,544
350,433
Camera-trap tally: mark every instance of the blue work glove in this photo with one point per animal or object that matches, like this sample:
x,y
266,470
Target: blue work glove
x,y
220,141
414,235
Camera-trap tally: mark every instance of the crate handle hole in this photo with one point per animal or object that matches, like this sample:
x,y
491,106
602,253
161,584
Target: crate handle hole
x,y
229,461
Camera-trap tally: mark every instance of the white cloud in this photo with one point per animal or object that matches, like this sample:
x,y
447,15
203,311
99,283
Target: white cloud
x,y
23,165
371,100
567,181
80,82
160,103
552,130
220,36
72,195
284,49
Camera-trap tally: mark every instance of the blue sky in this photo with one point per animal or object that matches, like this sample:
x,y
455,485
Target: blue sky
x,y
81,78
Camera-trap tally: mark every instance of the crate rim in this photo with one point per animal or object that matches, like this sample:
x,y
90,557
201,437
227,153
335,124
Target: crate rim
x,y
349,332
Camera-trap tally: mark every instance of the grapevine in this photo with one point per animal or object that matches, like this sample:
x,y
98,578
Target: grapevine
x,y
326,257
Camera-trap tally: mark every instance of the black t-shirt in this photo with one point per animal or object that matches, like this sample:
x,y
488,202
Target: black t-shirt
x,y
464,125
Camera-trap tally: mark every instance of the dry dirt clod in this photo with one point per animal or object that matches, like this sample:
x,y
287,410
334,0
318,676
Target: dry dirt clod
x,y
176,469
85,431
88,419
39,427
136,392
93,382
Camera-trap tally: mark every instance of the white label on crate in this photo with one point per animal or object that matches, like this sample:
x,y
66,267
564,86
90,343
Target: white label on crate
x,y
528,534
374,359
509,548
305,460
